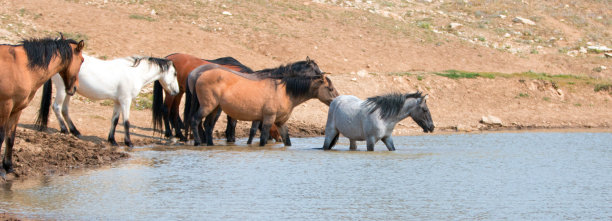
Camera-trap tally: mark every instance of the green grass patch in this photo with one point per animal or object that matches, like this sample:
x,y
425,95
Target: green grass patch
x,y
603,87
522,95
455,74
143,102
76,36
142,17
546,98
107,103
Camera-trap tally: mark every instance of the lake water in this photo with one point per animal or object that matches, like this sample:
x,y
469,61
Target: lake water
x,y
515,176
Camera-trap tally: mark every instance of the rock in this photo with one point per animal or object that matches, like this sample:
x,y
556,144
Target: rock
x,y
454,25
523,20
583,50
573,53
491,120
362,73
463,128
507,35
608,55
226,13
599,49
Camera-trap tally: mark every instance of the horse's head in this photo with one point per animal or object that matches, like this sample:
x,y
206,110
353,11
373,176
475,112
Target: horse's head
x,y
71,72
325,89
169,81
420,114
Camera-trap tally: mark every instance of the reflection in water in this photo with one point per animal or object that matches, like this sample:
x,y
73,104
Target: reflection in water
x,y
465,176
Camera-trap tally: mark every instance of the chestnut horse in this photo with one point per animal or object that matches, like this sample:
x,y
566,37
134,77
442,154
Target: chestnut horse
x,y
268,95
26,67
168,111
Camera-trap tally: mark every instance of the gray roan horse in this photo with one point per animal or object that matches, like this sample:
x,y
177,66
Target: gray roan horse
x,y
374,119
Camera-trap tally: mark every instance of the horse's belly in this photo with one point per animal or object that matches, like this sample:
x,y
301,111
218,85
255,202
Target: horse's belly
x,y
242,112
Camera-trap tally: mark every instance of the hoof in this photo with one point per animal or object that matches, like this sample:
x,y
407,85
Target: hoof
x,y
113,143
76,134
64,131
168,134
129,144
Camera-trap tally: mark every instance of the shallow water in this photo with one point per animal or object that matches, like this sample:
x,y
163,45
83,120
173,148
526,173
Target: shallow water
x,y
516,176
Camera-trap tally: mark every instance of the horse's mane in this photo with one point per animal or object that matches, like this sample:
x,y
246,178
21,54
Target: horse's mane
x,y
41,51
162,63
297,76
390,105
230,61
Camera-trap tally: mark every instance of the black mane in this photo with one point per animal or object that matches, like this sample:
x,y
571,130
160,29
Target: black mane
x,y
164,64
297,76
40,52
389,104
230,61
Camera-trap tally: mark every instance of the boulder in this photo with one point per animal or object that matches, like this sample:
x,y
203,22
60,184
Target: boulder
x,y
523,21
491,120
454,25
599,48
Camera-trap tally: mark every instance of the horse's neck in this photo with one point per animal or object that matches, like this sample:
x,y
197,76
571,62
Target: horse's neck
x,y
41,76
149,73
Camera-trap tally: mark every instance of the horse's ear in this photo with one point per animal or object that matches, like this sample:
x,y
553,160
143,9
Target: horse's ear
x,y
80,46
423,99
308,59
61,36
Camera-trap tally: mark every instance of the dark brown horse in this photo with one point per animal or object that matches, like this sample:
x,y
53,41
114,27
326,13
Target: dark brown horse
x,y
268,95
26,67
168,109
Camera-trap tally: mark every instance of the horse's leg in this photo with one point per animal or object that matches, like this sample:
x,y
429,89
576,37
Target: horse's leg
x,y
389,143
284,132
114,122
265,129
166,114
230,130
2,135
174,116
196,120
209,125
274,134
254,127
60,96
331,132
125,109
65,108
7,162
371,141
353,145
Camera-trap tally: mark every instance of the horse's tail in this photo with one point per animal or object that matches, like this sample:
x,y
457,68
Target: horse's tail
x,y
158,106
187,110
45,103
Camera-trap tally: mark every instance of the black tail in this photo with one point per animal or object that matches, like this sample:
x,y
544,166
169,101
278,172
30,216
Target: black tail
x,y
158,106
187,110
45,103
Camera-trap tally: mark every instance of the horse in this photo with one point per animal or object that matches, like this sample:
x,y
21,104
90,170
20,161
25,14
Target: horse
x,y
374,119
119,80
268,95
25,67
166,110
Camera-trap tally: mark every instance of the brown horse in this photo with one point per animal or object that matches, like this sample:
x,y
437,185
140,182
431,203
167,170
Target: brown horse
x,y
169,110
268,95
25,67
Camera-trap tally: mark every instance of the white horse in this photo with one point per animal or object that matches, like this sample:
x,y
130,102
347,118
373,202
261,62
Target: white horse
x,y
374,119
119,80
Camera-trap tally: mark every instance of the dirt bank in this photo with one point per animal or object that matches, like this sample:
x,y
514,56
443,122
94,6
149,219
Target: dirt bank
x,y
40,153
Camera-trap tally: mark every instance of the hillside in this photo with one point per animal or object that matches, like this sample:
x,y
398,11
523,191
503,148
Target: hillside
x,y
544,73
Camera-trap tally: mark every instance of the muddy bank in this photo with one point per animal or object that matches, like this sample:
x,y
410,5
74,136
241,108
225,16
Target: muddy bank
x,y
40,153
